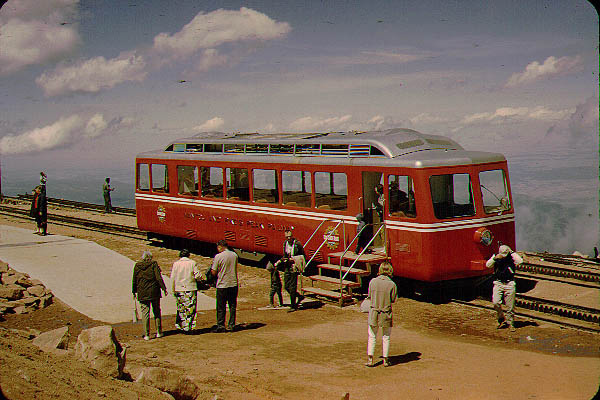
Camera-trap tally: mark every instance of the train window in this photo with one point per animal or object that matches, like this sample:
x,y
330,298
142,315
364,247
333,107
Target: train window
x,y
194,147
187,180
401,196
264,184
212,182
308,149
452,195
234,148
331,190
282,149
494,191
143,177
297,188
237,184
179,147
257,148
160,178
335,149
213,148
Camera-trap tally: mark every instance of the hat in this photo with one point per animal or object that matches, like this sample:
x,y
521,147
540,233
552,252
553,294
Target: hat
x,y
504,250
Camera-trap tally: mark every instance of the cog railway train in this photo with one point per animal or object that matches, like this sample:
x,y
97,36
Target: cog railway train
x,y
443,209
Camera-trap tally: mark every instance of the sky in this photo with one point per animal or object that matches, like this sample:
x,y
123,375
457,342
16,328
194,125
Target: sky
x,y
86,85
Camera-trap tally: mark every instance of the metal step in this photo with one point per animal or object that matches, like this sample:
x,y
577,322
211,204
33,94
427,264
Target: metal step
x,y
335,281
326,293
366,258
353,271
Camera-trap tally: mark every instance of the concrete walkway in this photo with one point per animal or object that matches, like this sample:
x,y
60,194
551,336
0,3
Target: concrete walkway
x,y
90,278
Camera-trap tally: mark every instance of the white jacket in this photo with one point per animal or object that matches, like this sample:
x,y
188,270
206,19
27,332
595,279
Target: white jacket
x,y
184,274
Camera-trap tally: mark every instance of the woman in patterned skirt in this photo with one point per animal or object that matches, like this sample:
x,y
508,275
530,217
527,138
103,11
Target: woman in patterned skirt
x,y
184,274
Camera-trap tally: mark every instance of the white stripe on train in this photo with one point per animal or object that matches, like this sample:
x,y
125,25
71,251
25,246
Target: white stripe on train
x,y
393,225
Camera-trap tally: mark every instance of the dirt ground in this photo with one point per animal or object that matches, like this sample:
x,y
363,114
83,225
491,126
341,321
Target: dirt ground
x,y
438,351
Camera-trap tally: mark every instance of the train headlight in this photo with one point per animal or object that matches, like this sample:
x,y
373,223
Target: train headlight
x,y
483,236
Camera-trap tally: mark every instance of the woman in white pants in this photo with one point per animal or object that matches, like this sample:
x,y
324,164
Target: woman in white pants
x,y
382,293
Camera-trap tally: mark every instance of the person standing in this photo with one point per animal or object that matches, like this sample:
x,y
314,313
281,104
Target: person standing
x,y
184,275
291,248
146,285
275,285
39,210
224,267
382,293
505,288
106,189
364,234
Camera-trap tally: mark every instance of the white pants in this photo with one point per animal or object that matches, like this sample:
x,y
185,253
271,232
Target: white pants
x,y
506,292
385,339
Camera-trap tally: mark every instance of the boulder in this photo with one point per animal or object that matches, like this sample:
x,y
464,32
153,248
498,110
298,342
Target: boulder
x,y
37,290
177,385
3,266
22,309
52,340
10,293
10,277
100,348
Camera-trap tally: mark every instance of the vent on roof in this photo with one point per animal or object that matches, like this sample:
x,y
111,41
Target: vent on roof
x,y
409,144
439,142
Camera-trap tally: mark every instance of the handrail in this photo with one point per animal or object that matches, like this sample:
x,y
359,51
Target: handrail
x,y
363,251
341,220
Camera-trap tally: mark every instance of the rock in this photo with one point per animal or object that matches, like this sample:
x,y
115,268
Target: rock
x,y
172,382
55,339
23,281
10,293
28,301
9,278
23,309
36,282
37,290
45,301
4,267
100,348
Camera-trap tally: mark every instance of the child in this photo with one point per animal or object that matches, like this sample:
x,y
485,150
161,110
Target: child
x,y
275,285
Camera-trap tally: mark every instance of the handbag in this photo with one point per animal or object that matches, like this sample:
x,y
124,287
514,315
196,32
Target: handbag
x,y
135,317
299,264
365,306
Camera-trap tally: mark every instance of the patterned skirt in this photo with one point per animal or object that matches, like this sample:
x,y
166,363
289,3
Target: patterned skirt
x,y
186,310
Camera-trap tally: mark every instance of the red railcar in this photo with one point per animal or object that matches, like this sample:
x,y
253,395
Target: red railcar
x,y
444,209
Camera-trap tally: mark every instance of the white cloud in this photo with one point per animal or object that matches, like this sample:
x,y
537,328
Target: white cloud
x,y
426,119
93,75
375,57
95,126
580,126
552,66
210,125
512,114
211,58
34,32
316,124
65,131
207,31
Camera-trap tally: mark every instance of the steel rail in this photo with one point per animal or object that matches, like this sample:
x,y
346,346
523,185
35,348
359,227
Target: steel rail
x,y
558,308
537,317
105,227
78,204
585,276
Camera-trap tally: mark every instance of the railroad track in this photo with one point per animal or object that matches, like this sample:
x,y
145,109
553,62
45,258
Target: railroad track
x,y
77,204
544,310
546,272
100,226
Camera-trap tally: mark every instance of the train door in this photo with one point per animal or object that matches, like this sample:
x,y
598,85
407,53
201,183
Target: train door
x,y
373,205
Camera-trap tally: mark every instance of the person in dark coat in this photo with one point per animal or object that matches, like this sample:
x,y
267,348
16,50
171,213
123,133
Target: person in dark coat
x,y
146,285
364,234
106,189
39,210
291,248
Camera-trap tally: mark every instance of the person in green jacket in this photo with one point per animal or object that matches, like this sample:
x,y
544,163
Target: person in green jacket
x,y
146,285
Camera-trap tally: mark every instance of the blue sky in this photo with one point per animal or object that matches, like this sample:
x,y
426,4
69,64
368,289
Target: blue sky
x,y
86,85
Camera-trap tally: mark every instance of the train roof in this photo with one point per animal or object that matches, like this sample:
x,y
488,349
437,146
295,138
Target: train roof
x,y
393,146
